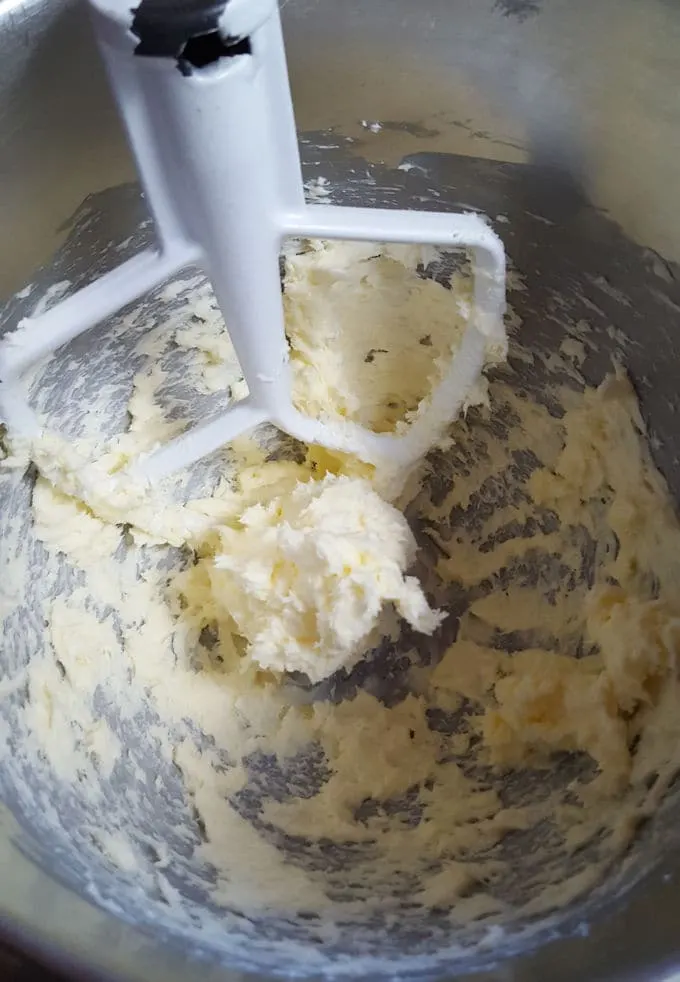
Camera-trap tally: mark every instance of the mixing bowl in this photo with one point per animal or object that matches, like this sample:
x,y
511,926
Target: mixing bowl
x,y
558,120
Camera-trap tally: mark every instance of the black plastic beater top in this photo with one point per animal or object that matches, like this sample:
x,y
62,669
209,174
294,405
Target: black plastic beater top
x,y
186,30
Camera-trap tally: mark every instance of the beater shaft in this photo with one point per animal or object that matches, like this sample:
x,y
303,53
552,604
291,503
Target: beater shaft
x,y
203,91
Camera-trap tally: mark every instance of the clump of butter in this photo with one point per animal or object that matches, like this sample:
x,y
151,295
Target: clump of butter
x,y
306,576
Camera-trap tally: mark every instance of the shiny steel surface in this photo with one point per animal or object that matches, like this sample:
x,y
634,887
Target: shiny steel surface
x,y
587,85
584,92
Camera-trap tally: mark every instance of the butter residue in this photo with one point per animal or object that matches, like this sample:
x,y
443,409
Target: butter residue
x,y
416,793
407,329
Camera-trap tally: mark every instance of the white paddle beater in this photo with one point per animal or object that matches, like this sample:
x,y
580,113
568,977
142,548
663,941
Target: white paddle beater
x,y
203,91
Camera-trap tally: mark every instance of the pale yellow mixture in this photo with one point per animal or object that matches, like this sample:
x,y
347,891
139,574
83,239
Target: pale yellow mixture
x,y
543,612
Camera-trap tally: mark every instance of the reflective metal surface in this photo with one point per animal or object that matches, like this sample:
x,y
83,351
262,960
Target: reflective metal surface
x,y
588,85
572,107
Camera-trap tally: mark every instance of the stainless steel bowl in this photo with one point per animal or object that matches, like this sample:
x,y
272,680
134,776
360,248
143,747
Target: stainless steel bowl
x,y
561,117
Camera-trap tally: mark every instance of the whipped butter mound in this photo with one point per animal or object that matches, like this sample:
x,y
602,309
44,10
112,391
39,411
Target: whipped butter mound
x,y
306,576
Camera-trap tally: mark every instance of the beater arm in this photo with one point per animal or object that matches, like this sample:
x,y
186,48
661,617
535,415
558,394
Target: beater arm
x,y
203,91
